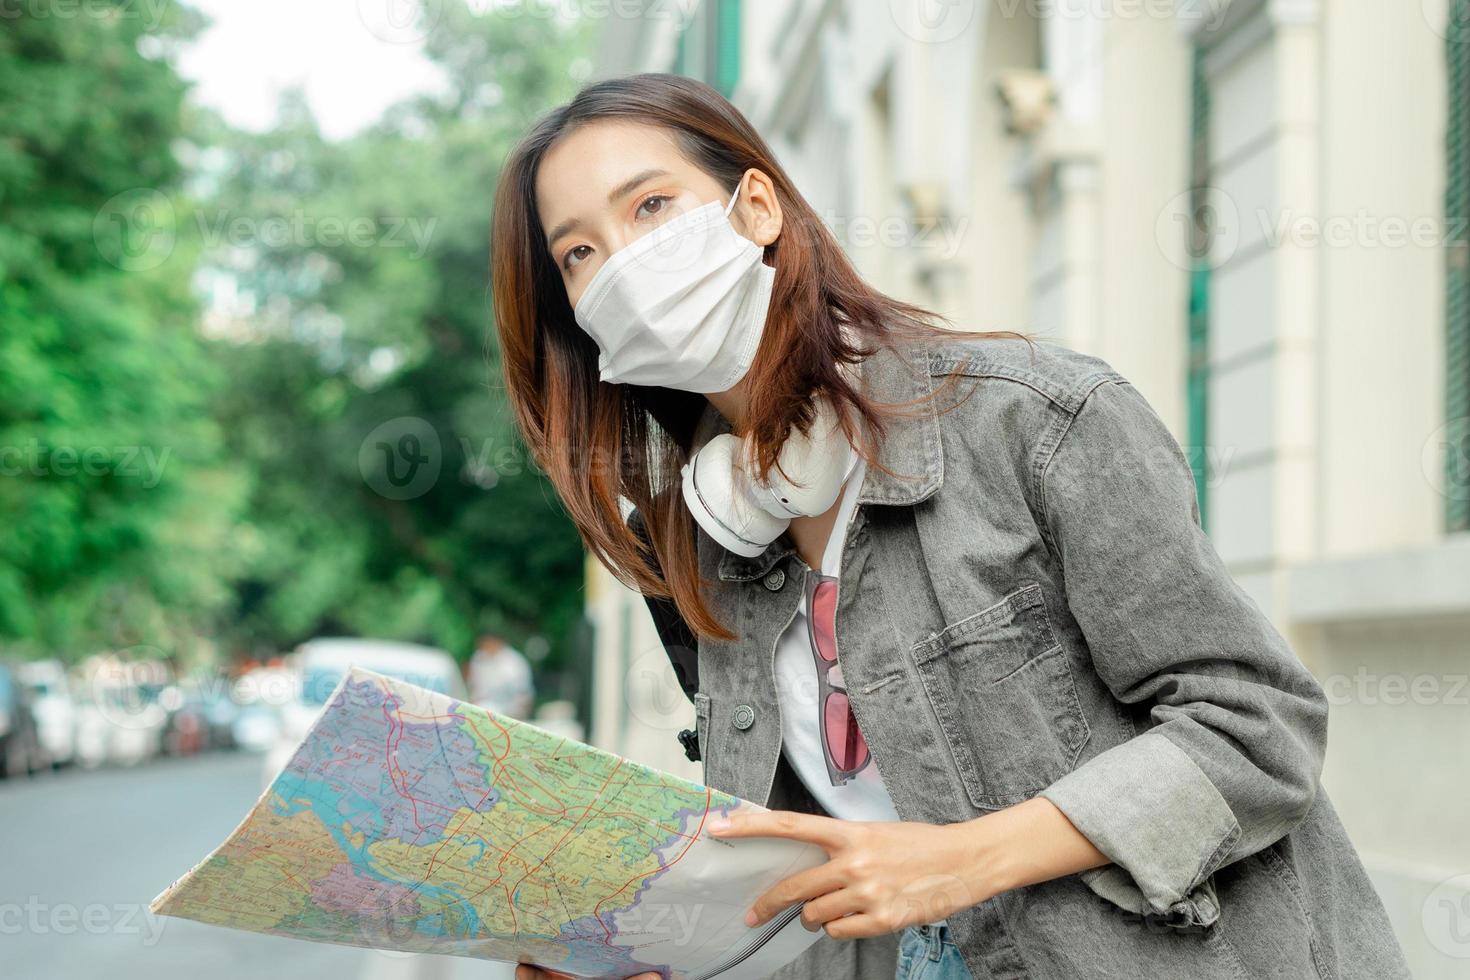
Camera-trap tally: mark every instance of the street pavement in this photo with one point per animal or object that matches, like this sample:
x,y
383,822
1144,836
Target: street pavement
x,y
83,853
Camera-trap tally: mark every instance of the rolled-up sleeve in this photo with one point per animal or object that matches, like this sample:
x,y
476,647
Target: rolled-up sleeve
x,y
1230,760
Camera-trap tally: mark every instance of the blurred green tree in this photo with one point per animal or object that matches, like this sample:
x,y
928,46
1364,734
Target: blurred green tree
x,y
113,494
356,333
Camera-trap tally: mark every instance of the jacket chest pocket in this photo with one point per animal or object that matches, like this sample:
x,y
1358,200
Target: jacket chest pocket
x,y
1002,689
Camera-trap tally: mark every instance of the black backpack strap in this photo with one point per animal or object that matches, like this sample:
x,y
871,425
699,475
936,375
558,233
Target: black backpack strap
x,y
679,641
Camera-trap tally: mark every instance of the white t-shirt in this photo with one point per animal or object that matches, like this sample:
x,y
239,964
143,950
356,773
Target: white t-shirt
x,y
863,797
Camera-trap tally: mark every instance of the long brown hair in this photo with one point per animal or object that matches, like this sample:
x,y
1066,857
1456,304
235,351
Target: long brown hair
x,y
597,440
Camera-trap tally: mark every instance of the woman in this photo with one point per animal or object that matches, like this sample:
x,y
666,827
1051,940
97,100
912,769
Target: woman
x,y
1062,742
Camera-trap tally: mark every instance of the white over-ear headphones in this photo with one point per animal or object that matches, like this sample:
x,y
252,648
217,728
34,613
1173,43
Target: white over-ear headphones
x,y
744,514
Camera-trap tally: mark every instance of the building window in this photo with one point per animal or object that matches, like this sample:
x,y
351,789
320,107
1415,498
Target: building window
x,y
681,51
1197,376
1456,444
709,45
727,46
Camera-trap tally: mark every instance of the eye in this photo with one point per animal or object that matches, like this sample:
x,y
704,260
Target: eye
x,y
566,260
656,199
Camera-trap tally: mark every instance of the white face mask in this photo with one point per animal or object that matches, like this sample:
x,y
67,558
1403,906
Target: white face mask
x,y
682,307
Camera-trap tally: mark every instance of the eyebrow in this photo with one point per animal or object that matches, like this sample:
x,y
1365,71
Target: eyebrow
x,y
626,187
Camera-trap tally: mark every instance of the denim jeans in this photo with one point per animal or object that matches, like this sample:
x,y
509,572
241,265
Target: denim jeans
x,y
928,952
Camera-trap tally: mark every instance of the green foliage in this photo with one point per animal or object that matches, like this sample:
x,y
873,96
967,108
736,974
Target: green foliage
x,y
111,485
225,480
374,255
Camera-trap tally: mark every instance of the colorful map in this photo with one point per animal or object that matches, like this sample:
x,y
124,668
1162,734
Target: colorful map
x,y
409,820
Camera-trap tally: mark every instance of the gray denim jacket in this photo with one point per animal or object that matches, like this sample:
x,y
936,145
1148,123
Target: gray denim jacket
x,y
1034,609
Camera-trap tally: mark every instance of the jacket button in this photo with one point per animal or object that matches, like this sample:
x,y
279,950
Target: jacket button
x,y
744,716
775,578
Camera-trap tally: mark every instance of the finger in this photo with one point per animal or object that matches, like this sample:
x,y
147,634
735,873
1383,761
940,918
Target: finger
x,y
825,832
800,887
857,926
525,971
819,911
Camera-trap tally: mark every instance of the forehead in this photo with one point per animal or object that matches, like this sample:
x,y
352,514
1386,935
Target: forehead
x,y
580,169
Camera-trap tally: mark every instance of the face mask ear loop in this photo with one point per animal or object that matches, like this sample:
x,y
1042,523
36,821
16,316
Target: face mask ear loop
x,y
733,198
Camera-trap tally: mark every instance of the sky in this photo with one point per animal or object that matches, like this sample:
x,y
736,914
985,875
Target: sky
x,y
355,58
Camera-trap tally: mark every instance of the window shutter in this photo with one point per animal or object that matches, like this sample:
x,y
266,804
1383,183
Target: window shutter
x,y
1197,378
727,47
1457,273
681,51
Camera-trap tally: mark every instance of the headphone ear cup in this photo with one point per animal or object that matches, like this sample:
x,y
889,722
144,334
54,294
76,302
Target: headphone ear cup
x,y
723,499
817,463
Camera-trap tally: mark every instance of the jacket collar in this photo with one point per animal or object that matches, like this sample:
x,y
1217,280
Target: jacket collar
x,y
912,447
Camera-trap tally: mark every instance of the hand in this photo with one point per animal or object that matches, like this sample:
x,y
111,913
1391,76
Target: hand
x,y
880,877
525,971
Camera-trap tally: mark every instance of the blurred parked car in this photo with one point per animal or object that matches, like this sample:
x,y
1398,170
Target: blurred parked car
x,y
21,752
261,697
220,714
322,663
257,727
185,726
53,708
118,723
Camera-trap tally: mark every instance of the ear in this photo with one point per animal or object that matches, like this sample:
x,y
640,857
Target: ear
x,y
757,215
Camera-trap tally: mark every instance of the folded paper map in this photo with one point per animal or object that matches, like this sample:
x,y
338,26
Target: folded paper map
x,y
409,820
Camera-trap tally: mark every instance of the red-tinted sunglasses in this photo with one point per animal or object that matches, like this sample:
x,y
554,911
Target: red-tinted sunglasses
x,y
843,744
